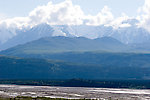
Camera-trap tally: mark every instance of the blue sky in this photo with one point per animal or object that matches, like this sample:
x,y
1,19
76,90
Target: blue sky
x,y
13,8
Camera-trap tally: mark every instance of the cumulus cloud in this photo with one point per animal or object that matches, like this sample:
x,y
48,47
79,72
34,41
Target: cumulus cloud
x,y
64,13
103,17
144,16
118,22
17,22
57,14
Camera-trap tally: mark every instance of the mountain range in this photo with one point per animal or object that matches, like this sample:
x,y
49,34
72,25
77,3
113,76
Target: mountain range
x,y
59,44
127,35
80,51
63,57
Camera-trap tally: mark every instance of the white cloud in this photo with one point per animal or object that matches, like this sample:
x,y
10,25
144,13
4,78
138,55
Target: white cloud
x,y
57,14
67,13
17,22
103,17
118,22
70,14
144,16
64,13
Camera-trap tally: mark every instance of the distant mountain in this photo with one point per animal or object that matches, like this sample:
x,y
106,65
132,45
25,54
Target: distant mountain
x,y
131,35
24,36
117,66
36,32
58,44
127,35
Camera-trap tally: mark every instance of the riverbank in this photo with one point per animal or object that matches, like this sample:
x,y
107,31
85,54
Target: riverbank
x,y
12,91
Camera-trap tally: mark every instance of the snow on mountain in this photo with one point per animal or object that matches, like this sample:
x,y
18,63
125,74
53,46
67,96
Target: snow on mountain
x,y
127,35
6,34
131,35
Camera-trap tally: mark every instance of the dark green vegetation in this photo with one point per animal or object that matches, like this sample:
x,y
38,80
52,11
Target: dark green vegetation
x,y
103,59
38,98
85,66
132,84
20,68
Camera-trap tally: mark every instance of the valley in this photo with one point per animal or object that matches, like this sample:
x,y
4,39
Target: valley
x,y
75,49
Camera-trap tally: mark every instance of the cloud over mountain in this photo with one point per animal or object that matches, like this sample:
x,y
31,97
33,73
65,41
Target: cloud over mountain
x,y
144,16
57,14
66,13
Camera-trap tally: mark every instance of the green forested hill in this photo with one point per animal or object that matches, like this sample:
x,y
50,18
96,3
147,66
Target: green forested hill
x,y
27,68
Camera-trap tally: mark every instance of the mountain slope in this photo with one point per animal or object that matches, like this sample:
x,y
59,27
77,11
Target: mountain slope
x,y
66,44
39,31
24,36
23,68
